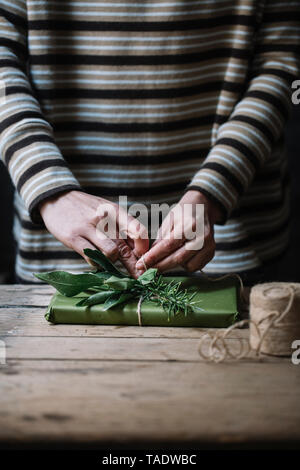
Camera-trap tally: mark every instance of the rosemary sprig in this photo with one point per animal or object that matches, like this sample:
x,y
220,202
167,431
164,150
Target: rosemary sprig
x,y
168,295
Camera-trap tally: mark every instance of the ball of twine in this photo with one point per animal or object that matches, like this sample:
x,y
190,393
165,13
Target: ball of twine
x,y
274,325
275,309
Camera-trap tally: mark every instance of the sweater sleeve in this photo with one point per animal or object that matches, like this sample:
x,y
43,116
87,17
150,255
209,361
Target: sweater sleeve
x,y
245,141
27,146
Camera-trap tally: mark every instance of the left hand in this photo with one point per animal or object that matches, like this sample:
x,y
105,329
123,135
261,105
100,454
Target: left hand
x,y
171,247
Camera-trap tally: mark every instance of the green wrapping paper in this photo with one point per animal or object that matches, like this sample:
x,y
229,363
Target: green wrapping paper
x,y
218,301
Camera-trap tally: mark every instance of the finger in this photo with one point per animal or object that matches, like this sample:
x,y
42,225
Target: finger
x,y
141,246
177,258
175,222
185,253
136,231
160,251
167,226
130,243
127,258
115,249
195,244
103,243
199,260
79,245
165,229
169,237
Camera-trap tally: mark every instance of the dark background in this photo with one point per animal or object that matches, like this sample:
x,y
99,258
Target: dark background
x,y
287,270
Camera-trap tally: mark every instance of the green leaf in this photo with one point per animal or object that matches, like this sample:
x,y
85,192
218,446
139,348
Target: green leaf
x,y
116,283
148,276
98,288
101,274
95,299
99,258
70,284
116,299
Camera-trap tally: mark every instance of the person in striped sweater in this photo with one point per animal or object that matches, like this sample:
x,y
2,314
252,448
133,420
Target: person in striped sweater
x,y
164,101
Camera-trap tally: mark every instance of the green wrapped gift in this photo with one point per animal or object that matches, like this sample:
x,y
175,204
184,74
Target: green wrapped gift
x,y
217,302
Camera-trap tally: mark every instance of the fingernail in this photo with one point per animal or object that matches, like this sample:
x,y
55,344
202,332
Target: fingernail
x,y
139,265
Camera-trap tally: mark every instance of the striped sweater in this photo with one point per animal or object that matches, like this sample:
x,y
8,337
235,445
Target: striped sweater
x,y
147,99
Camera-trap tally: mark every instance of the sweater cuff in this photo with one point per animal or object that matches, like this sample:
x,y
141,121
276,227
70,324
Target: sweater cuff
x,y
33,207
215,187
224,213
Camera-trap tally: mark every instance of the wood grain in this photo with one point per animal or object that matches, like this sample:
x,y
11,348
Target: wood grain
x,y
25,295
150,401
31,322
125,385
94,348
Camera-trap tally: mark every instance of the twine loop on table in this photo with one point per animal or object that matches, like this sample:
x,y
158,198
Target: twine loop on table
x,y
274,322
270,333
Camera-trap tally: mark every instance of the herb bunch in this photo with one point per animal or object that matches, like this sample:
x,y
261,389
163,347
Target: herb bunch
x,y
111,287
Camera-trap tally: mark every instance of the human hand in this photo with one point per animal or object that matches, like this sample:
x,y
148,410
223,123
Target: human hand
x,y
172,248
76,219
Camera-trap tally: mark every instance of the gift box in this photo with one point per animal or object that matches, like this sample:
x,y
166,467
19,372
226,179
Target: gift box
x,y
217,307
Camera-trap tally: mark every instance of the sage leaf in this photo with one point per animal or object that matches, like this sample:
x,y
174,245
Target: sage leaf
x,y
116,283
148,276
70,284
95,299
101,274
99,258
116,299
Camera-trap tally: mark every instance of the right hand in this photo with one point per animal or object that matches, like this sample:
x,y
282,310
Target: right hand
x,y
72,217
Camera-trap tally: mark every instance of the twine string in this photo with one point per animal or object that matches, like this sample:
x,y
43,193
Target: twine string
x,y
219,349
276,316
139,305
144,262
139,313
227,276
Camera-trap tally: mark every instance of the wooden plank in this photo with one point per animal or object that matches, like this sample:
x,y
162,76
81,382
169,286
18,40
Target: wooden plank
x,y
25,295
119,402
30,322
113,349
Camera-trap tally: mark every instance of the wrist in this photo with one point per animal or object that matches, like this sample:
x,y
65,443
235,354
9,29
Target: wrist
x,y
52,199
214,212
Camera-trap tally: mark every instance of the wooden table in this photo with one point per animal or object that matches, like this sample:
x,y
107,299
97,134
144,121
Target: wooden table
x,y
133,386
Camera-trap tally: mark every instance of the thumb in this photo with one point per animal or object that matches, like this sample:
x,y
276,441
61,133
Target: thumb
x,y
137,232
